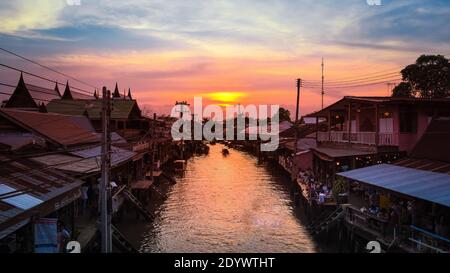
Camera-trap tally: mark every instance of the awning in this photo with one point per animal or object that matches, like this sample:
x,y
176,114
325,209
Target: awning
x,y
426,185
332,153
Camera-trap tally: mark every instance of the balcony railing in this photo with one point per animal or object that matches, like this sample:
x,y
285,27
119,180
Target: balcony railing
x,y
367,138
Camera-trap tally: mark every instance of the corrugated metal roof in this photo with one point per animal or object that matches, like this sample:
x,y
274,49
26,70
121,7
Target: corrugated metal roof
x,y
118,155
16,140
117,139
62,129
85,161
426,185
71,164
24,186
19,199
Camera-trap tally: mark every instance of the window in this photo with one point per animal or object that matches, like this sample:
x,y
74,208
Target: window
x,y
408,122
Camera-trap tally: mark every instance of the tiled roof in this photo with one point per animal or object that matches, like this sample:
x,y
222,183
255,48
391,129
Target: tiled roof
x,y
60,129
81,96
41,94
121,109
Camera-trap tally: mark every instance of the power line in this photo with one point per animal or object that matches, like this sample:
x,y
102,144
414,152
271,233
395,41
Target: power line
x,y
355,85
46,67
374,82
41,99
59,101
389,75
351,78
43,78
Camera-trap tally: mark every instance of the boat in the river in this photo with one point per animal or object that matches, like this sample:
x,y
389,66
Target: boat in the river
x,y
225,152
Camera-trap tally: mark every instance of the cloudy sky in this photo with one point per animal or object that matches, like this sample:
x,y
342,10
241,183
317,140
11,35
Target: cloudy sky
x,y
244,51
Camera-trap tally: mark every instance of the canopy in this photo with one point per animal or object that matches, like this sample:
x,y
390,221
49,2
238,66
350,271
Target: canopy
x,y
426,185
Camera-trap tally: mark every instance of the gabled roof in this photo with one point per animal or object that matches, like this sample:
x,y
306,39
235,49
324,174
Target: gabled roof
x,y
28,96
121,109
59,129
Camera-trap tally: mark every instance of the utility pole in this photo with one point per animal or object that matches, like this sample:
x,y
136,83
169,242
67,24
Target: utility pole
x,y
295,171
105,195
182,104
153,146
323,92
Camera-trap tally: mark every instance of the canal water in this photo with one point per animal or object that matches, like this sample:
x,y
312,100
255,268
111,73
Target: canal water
x,y
228,204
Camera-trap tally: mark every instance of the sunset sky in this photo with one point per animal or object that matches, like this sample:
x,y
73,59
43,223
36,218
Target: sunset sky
x,y
227,51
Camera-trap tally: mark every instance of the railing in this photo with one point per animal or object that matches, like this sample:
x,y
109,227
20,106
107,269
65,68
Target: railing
x,y
388,139
369,222
363,138
425,241
367,138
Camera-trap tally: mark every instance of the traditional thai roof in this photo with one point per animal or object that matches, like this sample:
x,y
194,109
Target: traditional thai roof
x,y
28,96
116,93
121,109
129,94
74,95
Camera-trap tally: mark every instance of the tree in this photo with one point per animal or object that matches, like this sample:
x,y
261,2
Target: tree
x,y
403,90
429,76
284,114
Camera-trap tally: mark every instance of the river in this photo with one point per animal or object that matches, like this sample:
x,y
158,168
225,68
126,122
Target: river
x,y
227,204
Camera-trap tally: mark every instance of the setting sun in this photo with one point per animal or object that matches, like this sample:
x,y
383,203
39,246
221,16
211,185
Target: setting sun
x,y
226,97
